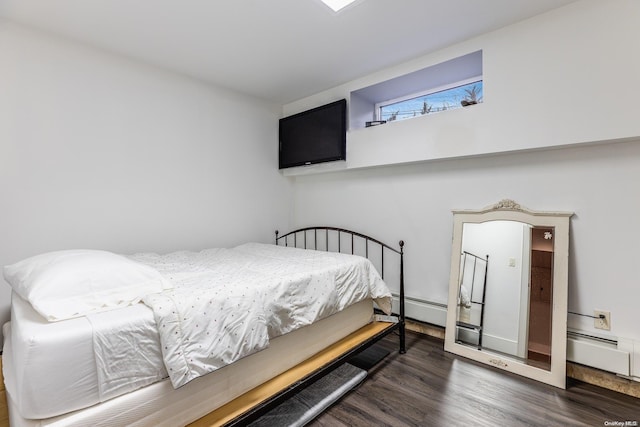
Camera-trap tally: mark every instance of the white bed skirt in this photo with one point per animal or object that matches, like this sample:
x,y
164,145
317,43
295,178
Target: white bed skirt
x,y
160,404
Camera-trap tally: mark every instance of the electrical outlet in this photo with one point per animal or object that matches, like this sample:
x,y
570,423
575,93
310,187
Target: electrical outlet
x,y
602,320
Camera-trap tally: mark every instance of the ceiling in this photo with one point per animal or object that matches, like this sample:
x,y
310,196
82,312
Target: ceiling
x,y
278,50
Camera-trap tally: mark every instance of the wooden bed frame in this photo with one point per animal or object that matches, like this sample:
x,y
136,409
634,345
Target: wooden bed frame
x,y
263,398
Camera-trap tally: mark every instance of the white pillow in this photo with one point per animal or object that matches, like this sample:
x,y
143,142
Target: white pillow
x,y
65,284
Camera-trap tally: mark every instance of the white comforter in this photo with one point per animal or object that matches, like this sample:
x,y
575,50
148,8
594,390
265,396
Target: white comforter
x,y
227,303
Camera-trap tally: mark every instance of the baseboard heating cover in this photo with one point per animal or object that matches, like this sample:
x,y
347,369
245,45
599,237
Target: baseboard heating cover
x,y
423,311
617,355
633,347
600,353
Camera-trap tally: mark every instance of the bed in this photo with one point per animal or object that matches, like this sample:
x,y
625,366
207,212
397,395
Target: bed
x,y
114,365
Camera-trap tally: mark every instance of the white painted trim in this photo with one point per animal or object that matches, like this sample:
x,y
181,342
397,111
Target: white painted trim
x,y
525,292
499,344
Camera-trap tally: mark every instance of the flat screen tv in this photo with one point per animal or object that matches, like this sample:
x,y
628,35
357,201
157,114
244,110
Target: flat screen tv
x,y
314,136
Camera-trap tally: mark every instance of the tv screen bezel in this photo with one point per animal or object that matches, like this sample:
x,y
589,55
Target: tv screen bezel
x,y
342,103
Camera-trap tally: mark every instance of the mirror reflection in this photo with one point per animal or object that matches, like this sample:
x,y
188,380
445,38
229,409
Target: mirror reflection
x,y
508,289
505,290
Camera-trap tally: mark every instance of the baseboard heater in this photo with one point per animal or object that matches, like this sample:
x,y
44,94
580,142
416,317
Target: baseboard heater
x,y
599,353
619,356
424,311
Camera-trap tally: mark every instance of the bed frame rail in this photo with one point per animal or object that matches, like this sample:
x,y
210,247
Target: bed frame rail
x,y
292,237
240,412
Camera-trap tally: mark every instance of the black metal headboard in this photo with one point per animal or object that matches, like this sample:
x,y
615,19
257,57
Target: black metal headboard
x,y
292,237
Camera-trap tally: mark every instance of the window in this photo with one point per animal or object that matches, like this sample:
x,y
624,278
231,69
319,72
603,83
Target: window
x,y
438,87
433,101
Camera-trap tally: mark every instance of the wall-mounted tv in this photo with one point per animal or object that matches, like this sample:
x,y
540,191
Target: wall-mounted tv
x,y
314,136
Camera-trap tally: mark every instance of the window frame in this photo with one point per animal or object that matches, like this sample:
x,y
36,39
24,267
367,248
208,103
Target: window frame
x,y
430,91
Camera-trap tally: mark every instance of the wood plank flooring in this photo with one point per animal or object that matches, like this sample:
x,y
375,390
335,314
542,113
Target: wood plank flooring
x,y
289,378
428,387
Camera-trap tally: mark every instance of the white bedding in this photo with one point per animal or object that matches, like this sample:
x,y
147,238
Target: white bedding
x,y
226,302
160,405
67,365
53,366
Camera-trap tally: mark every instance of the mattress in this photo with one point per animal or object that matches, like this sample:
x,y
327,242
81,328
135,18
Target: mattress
x,y
53,367
157,404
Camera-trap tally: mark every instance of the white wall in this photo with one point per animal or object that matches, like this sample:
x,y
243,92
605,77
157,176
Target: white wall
x,y
562,79
501,241
97,151
546,83
414,203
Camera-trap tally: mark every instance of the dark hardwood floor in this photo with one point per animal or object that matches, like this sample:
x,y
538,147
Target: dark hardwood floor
x,y
428,387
